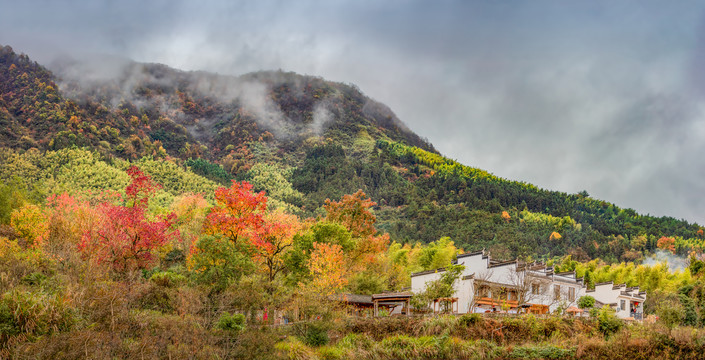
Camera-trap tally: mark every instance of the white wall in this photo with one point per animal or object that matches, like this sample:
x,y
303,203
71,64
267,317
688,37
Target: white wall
x,y
418,283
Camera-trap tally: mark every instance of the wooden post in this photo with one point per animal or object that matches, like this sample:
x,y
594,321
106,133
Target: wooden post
x,y
376,308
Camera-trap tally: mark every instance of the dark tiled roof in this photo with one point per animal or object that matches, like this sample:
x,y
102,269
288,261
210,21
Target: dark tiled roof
x,y
478,252
391,295
503,263
565,273
353,298
428,272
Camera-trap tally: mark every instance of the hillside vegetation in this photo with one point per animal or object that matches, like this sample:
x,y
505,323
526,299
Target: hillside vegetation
x,y
304,140
154,213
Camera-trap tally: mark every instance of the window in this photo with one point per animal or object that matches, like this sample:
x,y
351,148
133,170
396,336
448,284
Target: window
x,y
535,289
571,294
622,305
556,292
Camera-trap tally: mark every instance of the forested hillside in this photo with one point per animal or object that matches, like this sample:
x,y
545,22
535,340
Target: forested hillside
x,y
302,140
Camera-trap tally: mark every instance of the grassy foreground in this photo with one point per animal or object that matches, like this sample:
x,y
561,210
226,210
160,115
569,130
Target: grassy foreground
x,y
475,337
148,335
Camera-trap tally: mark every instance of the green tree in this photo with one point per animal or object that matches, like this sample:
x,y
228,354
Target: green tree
x,y
218,262
586,302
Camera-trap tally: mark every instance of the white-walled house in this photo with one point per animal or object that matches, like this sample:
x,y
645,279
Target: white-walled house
x,y
486,285
628,302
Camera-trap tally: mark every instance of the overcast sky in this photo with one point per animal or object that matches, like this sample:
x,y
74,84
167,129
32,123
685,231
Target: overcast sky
x,y
603,96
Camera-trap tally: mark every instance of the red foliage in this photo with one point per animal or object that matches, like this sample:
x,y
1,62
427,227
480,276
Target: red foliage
x,y
124,236
274,239
239,212
140,189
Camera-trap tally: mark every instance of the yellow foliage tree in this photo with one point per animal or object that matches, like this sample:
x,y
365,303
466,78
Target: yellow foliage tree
x,y
327,265
30,222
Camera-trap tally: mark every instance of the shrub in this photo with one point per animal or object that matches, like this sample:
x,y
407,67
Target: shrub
x,y
608,323
30,315
407,347
670,313
35,278
157,298
470,319
356,341
331,353
439,325
232,323
316,334
167,279
292,348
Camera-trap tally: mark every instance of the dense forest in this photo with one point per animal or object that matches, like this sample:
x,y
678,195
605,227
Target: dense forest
x,y
150,212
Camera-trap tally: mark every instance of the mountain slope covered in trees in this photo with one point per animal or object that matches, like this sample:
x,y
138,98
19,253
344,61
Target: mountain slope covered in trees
x,y
147,212
301,139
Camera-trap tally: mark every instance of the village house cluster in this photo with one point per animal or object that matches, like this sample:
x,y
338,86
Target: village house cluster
x,y
486,285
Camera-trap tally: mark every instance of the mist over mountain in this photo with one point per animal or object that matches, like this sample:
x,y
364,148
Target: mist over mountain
x,y
289,106
304,140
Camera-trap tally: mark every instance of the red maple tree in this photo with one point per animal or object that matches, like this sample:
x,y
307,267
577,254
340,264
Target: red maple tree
x,y
124,236
274,239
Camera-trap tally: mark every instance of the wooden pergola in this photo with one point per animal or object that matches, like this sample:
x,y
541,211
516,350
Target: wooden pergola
x,y
453,301
392,299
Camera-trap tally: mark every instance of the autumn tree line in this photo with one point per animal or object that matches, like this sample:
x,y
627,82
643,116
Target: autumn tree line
x,y
100,267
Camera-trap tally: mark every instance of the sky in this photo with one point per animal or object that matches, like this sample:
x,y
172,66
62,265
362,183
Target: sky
x,y
602,96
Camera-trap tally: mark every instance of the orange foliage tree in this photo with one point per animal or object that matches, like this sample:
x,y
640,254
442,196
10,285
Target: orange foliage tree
x,y
353,212
667,243
239,212
69,218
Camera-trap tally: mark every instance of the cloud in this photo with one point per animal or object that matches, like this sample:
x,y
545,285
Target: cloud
x,y
598,96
